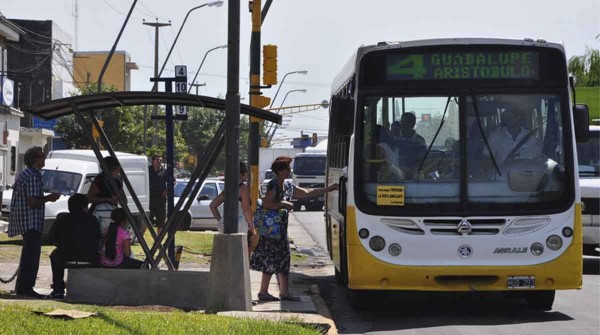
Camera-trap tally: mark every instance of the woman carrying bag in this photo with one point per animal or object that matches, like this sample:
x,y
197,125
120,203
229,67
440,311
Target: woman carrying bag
x,y
272,255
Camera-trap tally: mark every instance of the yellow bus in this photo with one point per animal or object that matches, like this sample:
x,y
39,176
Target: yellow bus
x,y
457,169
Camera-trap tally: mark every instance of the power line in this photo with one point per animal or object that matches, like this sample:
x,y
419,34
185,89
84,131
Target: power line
x,y
120,12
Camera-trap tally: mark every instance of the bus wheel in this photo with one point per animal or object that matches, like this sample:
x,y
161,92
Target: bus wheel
x,y
297,207
358,299
540,300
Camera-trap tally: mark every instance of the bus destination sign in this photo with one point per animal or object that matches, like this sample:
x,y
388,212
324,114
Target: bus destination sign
x,y
463,65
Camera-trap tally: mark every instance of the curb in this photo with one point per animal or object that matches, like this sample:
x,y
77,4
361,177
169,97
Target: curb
x,y
322,308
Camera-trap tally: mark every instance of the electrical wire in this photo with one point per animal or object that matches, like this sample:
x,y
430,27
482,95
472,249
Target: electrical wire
x,y
120,12
30,52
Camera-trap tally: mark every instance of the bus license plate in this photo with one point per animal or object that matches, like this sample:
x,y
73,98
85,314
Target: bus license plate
x,y
521,282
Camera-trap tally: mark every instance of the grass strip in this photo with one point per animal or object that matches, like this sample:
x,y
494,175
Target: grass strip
x,y
19,318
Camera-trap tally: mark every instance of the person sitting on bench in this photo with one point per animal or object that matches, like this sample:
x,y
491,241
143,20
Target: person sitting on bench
x,y
116,246
77,238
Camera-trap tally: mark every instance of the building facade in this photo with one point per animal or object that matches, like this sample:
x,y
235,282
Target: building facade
x,y
88,64
10,115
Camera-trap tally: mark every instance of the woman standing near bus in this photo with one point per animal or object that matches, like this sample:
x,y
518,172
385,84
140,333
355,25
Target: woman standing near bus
x,y
272,255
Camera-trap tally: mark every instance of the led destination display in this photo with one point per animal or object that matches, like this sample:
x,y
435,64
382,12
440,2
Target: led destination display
x,y
463,65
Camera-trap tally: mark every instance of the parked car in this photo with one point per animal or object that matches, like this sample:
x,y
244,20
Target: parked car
x,y
589,184
267,178
199,216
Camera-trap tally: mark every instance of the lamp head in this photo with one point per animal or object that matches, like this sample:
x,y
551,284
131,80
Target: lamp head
x,y
302,90
303,72
215,4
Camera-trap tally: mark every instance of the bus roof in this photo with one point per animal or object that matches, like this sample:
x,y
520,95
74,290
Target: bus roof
x,y
348,70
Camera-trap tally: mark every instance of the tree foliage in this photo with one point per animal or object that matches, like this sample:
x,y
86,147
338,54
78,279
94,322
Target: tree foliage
x,y
586,68
200,129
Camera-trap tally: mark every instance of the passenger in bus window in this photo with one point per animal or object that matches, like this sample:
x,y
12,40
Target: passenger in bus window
x,y
513,140
409,145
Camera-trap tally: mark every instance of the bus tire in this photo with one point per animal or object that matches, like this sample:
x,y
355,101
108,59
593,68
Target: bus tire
x,y
297,207
359,299
540,300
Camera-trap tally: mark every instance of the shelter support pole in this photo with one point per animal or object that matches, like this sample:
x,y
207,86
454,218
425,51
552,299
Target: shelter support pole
x,y
112,183
200,174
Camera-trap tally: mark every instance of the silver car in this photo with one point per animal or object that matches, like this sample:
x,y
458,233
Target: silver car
x,y
199,216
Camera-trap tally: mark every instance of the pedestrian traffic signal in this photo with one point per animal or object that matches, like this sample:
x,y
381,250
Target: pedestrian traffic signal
x,y
269,64
262,101
95,133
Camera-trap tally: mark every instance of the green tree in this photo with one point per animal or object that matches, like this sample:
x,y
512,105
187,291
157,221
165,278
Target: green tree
x,y
586,68
124,128
200,128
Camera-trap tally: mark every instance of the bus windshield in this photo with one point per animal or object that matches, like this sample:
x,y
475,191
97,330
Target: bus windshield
x,y
462,152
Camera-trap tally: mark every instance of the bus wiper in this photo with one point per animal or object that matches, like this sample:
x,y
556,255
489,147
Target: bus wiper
x,y
435,136
483,134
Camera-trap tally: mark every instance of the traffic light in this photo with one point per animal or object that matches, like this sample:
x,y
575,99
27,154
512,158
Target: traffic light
x,y
315,138
269,64
262,101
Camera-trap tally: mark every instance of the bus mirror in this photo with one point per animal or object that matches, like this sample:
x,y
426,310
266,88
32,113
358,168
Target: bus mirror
x,y
581,118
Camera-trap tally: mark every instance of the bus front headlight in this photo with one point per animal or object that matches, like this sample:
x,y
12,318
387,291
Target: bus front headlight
x,y
554,242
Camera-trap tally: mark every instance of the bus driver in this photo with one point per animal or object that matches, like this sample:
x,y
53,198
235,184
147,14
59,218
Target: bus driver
x,y
505,139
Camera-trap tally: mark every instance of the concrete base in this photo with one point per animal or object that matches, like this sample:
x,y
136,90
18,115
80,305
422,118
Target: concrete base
x,y
181,289
229,274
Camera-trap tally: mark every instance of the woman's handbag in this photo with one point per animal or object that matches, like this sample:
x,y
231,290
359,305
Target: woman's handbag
x,y
268,222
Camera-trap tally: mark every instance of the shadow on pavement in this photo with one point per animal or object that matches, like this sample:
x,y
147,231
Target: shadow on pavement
x,y
387,311
591,265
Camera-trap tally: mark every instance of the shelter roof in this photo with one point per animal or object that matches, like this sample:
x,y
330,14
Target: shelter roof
x,y
61,107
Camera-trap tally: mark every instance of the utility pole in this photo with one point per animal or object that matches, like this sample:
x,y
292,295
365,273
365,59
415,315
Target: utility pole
x,y
196,85
157,25
256,99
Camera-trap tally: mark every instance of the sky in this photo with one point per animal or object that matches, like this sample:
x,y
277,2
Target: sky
x,y
318,36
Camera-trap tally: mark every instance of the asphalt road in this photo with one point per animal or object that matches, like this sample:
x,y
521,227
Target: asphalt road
x,y
574,312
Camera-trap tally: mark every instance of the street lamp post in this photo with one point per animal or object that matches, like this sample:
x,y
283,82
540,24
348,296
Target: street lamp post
x,y
303,72
209,4
271,134
155,85
202,63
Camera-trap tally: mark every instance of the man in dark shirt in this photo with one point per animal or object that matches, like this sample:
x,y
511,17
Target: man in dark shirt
x,y
158,192
77,238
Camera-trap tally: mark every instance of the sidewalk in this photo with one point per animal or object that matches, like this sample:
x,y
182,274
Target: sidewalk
x,y
311,309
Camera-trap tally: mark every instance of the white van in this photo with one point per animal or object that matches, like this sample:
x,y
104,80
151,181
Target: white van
x,y
72,171
589,184
309,172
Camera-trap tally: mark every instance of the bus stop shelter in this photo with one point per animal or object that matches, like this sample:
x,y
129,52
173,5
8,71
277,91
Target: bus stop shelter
x,y
83,108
